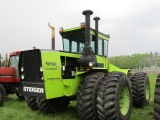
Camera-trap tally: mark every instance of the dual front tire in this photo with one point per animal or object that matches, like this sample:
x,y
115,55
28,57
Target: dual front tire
x,y
114,97
104,97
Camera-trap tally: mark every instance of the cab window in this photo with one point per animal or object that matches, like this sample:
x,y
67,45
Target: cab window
x,y
100,46
74,46
66,44
105,48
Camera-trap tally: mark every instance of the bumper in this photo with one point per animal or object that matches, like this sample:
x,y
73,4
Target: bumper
x,y
33,89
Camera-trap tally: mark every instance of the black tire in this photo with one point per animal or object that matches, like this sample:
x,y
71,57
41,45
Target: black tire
x,y
87,94
53,105
2,94
31,102
114,98
157,99
140,89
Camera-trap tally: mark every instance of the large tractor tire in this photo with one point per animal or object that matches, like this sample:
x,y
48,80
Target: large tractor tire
x,y
53,105
31,102
87,94
114,98
2,94
157,99
140,89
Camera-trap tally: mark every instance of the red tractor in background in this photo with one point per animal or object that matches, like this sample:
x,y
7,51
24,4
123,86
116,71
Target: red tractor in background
x,y
9,78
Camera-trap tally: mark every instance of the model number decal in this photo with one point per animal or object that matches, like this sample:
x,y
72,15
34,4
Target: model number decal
x,y
33,89
55,65
51,63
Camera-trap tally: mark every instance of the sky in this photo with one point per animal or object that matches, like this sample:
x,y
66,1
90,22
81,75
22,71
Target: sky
x,y
133,25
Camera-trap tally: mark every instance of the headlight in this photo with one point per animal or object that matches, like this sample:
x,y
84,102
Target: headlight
x,y
41,69
90,64
22,69
42,78
22,77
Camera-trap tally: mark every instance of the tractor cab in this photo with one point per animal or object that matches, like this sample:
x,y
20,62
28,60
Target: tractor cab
x,y
93,49
13,62
10,72
74,40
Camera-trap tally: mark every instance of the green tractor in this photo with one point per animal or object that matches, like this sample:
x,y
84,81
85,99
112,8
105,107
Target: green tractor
x,y
82,72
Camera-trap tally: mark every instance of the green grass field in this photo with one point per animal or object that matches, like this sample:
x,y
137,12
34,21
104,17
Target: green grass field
x,y
15,109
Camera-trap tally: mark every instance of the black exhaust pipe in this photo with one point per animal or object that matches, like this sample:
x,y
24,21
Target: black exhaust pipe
x,y
88,59
87,14
96,34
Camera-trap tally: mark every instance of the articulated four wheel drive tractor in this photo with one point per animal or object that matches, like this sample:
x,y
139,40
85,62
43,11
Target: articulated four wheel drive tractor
x,y
81,71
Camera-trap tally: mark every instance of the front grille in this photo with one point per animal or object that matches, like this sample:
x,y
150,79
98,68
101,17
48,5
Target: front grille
x,y
31,62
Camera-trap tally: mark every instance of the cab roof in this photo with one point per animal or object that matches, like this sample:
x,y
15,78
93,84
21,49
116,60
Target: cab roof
x,y
92,31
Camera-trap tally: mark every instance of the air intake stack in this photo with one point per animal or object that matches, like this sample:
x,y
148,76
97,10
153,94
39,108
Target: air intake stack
x,y
88,59
96,34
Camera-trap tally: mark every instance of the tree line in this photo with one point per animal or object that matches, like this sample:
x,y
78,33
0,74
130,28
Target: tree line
x,y
127,61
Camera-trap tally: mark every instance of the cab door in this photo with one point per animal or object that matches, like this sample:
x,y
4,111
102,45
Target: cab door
x,y
102,57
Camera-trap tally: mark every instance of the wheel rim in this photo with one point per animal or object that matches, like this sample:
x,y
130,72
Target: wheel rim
x,y
147,91
124,100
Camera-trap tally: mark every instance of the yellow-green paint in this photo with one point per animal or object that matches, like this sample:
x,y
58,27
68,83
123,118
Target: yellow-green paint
x,y
91,32
55,86
112,68
61,87
71,29
51,71
100,35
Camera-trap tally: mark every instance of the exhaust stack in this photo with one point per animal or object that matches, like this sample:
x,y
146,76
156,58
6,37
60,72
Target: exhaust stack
x,y
88,59
87,14
96,33
53,36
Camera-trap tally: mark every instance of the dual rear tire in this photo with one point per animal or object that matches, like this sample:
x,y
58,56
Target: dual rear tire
x,y
140,89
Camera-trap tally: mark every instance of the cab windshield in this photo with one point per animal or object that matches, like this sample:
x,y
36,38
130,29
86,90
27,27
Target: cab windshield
x,y
13,62
73,41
